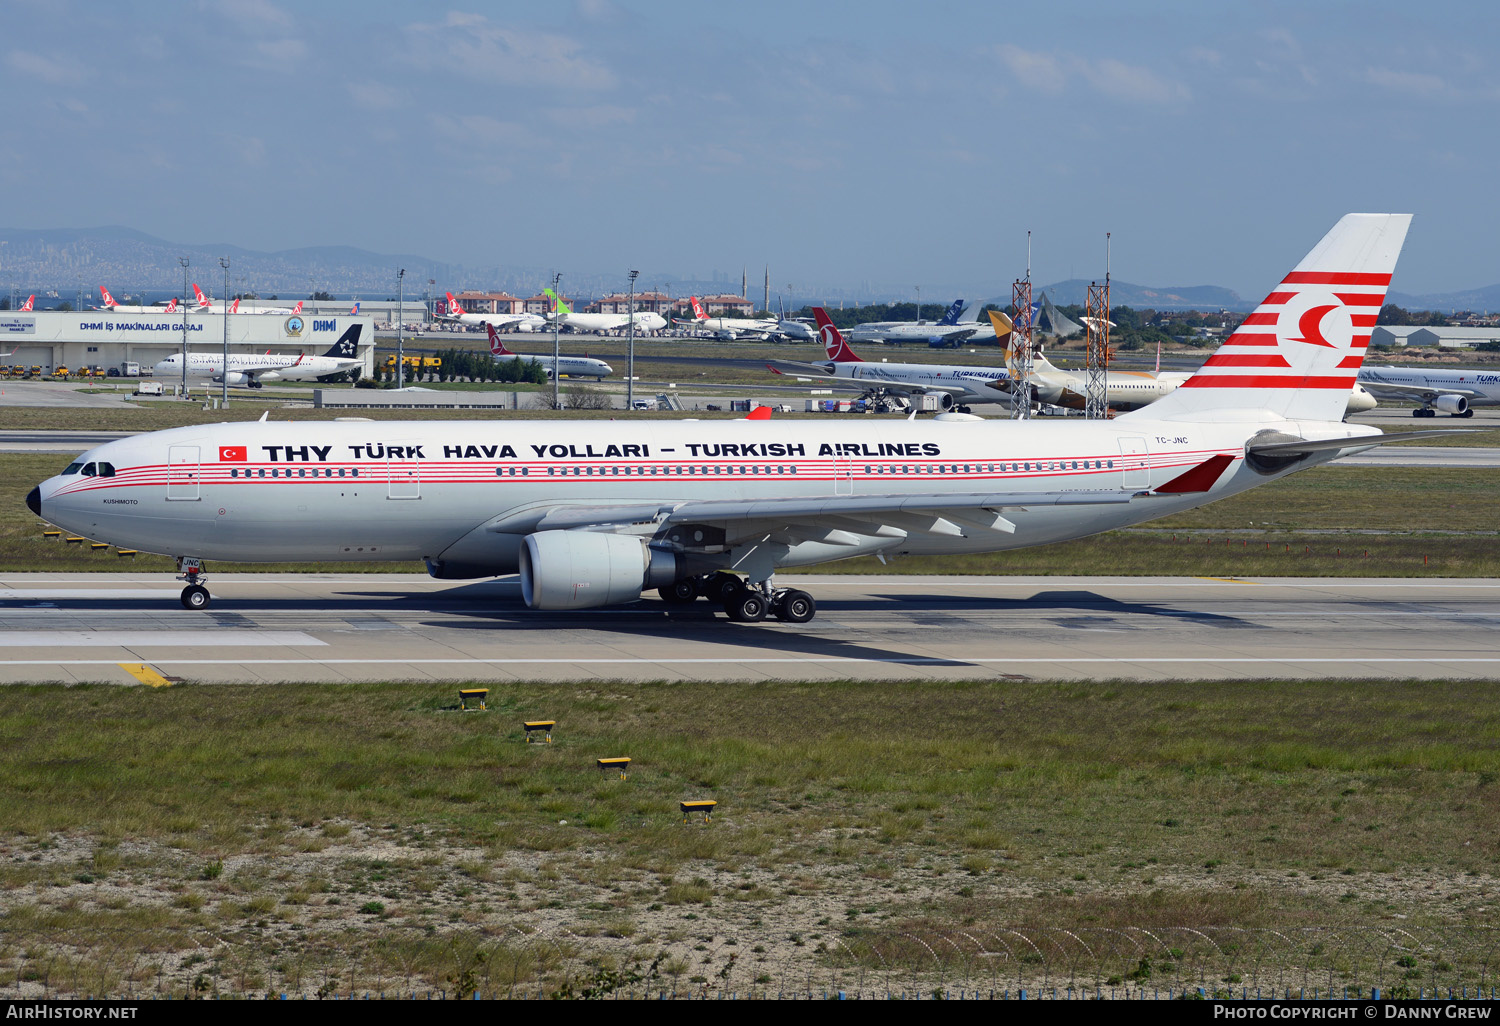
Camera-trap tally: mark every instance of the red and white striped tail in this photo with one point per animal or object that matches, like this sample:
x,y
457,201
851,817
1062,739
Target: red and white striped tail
x,y
833,340
1297,356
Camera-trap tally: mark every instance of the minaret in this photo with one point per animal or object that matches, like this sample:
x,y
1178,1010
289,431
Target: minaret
x,y
765,303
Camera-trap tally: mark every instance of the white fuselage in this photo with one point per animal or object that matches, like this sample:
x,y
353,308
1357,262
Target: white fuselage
x,y
965,384
521,321
644,321
470,491
254,366
569,366
907,331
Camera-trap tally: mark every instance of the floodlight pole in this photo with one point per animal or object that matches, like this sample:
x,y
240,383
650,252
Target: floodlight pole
x,y
556,346
630,374
400,347
184,262
224,367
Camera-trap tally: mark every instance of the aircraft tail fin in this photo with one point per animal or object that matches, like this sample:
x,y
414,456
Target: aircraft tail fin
x,y
203,303
235,307
297,309
109,301
347,347
833,340
1298,355
951,317
354,310
454,307
559,305
30,303
699,314
497,344
171,307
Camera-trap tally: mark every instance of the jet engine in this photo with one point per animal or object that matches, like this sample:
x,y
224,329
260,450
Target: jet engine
x,y
234,378
583,569
1454,404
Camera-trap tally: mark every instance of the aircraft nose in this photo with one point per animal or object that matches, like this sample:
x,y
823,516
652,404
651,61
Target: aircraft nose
x,y
34,501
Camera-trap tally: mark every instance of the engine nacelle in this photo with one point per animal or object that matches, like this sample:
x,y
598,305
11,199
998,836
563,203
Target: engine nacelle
x,y
1454,404
233,378
584,569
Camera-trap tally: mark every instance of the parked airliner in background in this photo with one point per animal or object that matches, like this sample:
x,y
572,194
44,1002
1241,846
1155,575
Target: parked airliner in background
x,y
29,305
520,321
1453,391
203,304
114,307
645,320
732,327
568,366
951,329
251,369
591,514
958,386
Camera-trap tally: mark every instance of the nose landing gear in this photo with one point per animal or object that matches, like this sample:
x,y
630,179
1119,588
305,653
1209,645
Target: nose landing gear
x,y
195,595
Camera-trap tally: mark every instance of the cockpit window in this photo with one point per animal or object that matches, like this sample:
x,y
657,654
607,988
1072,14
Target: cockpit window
x,y
72,468
91,470
106,470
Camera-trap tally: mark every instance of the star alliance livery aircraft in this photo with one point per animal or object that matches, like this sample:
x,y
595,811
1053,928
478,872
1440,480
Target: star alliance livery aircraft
x,y
592,514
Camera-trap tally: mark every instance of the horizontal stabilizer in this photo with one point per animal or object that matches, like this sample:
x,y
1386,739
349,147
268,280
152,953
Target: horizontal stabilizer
x,y
1364,442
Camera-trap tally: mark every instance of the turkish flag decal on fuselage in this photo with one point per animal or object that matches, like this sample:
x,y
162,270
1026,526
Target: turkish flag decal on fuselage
x,y
232,454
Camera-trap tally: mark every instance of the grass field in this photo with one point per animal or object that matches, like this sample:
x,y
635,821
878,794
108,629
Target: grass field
x,y
273,829
1329,521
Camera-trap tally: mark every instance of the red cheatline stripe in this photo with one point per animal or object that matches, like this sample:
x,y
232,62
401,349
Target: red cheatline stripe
x,y
1352,362
1250,360
1245,338
1360,342
1266,381
1360,298
1363,320
1338,278
1261,318
1277,298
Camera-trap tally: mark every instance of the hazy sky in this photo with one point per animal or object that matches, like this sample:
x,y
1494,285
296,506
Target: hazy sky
x,y
842,143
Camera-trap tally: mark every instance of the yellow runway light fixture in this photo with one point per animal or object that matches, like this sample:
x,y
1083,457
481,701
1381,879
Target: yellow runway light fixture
x,y
473,699
621,763
539,731
705,808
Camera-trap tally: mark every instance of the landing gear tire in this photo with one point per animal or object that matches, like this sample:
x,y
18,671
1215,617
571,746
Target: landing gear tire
x,y
747,607
679,593
795,607
195,596
720,587
1423,412
1466,413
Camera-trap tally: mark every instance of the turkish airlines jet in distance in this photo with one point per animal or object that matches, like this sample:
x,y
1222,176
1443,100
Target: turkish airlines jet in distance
x,y
29,305
202,304
1453,391
736,327
251,369
113,307
645,320
1124,390
957,385
592,514
520,321
569,366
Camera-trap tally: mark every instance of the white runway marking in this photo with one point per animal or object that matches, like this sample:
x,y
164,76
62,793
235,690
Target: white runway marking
x,y
7,594
152,639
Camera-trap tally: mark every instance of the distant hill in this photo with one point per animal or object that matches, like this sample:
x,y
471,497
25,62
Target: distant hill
x,y
1480,299
1123,293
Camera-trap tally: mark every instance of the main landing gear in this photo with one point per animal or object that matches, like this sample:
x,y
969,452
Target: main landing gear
x,y
195,595
743,602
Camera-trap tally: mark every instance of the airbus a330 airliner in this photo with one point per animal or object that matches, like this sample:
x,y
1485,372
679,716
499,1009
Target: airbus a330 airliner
x,y
592,517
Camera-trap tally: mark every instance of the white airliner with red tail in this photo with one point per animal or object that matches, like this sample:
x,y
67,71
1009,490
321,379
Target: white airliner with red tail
x,y
592,513
568,366
520,321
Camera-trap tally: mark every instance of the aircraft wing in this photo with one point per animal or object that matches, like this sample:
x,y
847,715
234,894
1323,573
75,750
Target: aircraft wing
x,y
802,518
793,367
1380,388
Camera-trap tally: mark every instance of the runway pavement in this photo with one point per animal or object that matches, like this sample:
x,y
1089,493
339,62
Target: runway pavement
x,y
129,628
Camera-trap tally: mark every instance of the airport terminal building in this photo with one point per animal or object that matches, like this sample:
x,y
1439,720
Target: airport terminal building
x,y
103,341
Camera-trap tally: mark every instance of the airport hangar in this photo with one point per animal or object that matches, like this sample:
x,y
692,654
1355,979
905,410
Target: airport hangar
x,y
97,339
